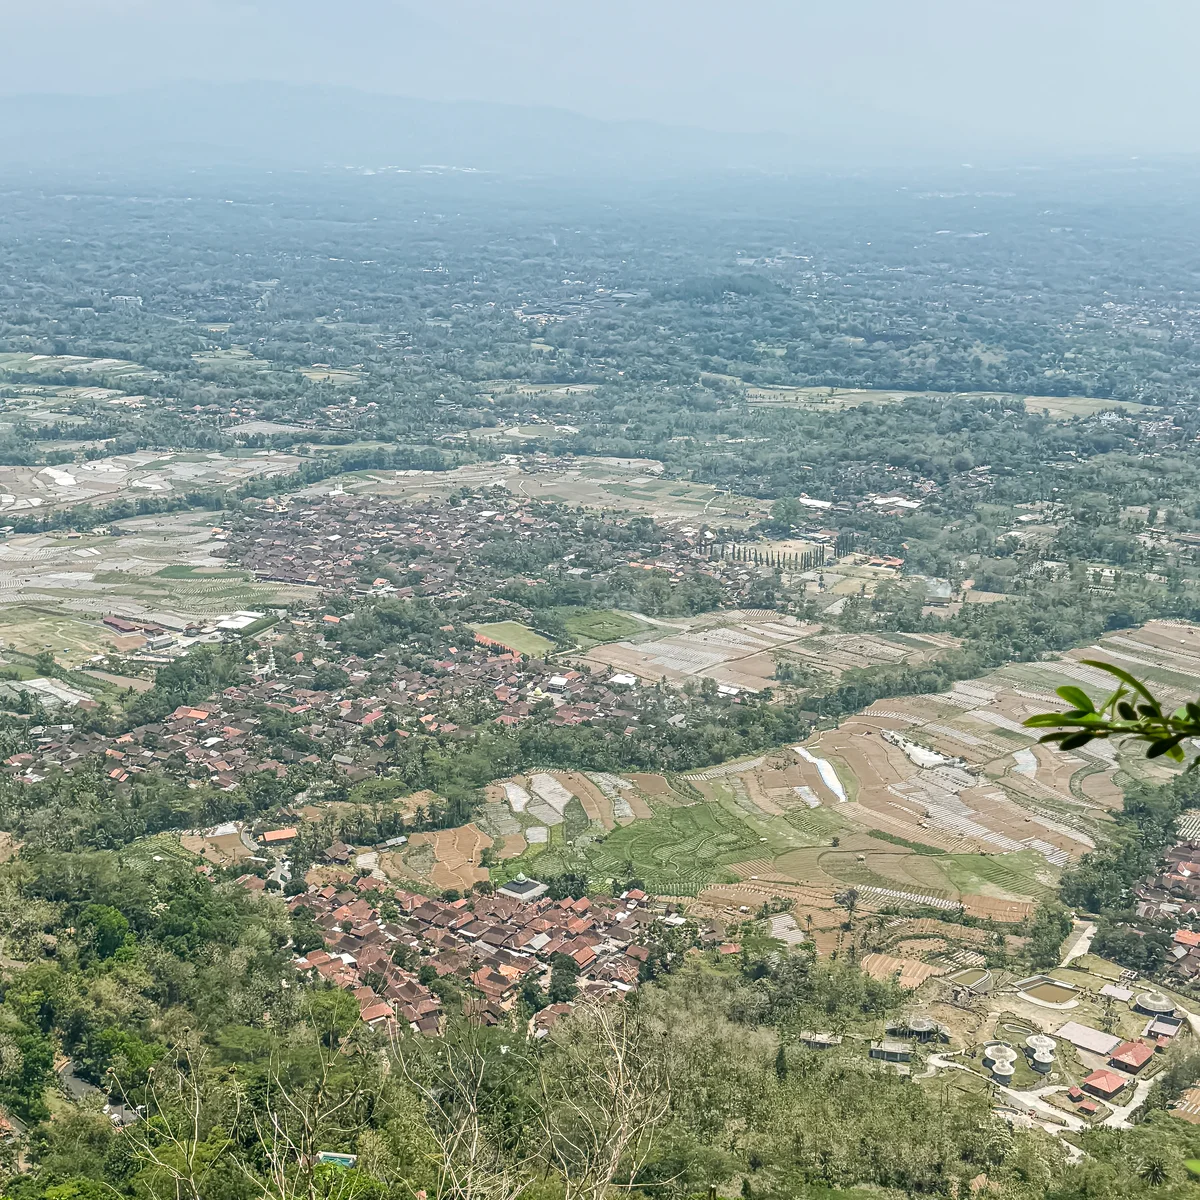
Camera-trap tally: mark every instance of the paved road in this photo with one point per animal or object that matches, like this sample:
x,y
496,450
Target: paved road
x,y
1081,945
1028,1101
1119,1117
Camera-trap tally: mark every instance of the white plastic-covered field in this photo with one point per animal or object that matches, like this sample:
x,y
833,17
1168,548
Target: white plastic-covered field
x,y
517,797
825,769
546,787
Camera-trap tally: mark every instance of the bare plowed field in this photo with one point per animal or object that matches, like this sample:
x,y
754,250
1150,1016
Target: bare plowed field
x,y
456,856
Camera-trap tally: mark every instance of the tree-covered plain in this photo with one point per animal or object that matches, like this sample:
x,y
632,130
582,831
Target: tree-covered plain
x,y
386,321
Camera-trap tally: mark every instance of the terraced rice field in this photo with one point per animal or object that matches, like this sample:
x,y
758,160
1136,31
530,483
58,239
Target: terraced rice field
x,y
446,858
943,800
1001,876
742,647
679,850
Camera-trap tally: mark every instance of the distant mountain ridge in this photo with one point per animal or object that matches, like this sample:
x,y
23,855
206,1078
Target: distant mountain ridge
x,y
288,125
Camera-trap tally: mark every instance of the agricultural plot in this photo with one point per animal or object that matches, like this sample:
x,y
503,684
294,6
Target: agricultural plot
x,y
744,648
446,858
235,358
594,628
831,399
937,801
144,473
52,366
625,486
30,630
678,850
160,568
222,847
336,376
594,822
956,779
778,822
514,636
1166,653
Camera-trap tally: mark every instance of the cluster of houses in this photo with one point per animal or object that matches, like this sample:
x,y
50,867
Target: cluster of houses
x,y
369,545
221,740
1172,897
389,947
1122,1059
337,541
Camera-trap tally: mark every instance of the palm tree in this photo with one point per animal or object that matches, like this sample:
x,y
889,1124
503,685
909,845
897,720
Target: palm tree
x,y
849,901
1153,1171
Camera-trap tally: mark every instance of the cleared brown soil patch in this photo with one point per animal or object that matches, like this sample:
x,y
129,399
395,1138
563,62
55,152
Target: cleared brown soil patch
x,y
221,851
757,793
640,808
780,778
123,681
729,897
457,852
512,845
652,785
1102,789
914,926
912,973
912,947
1009,911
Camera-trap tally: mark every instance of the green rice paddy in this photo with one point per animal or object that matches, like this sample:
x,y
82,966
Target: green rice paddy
x,y
1019,874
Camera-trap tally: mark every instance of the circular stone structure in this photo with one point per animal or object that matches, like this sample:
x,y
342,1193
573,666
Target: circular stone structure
x,y
1003,1072
998,1053
1042,1061
1040,1041
1154,1003
922,1028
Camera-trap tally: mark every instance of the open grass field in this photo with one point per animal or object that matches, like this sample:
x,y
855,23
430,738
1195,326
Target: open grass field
x,y
30,630
236,358
516,637
333,375
593,628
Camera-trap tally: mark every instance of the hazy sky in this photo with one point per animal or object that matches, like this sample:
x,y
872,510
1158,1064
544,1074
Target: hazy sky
x,y
1087,74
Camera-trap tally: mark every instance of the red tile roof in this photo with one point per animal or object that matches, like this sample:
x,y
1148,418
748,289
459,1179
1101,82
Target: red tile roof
x,y
1133,1056
1107,1083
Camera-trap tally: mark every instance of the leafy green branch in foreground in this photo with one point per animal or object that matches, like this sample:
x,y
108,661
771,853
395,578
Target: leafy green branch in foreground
x,y
1131,711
